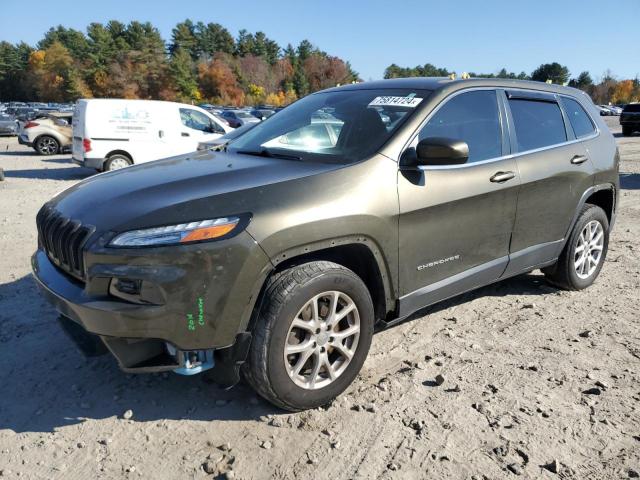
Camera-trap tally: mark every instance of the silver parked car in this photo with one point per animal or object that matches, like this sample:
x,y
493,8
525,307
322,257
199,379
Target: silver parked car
x,y
8,125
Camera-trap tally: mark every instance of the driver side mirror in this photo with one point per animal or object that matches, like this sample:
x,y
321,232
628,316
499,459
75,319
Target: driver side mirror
x,y
441,151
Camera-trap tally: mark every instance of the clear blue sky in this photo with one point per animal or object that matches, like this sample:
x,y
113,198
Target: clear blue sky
x,y
464,35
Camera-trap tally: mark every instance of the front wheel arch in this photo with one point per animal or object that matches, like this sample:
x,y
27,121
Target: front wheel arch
x,y
358,254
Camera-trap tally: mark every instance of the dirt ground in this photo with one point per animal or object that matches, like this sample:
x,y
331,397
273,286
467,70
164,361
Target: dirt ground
x,y
516,357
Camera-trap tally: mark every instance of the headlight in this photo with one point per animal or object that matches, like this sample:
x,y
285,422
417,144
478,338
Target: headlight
x,y
177,234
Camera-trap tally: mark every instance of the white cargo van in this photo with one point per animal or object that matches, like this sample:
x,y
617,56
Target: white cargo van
x,y
109,134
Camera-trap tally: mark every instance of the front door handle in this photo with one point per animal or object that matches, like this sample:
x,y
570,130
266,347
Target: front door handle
x,y
502,177
185,134
578,159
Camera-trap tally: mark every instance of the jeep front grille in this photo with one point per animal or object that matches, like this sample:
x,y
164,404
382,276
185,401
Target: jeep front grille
x,y
63,240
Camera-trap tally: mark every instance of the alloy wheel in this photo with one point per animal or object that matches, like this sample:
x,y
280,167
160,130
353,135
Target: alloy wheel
x,y
48,146
588,251
322,340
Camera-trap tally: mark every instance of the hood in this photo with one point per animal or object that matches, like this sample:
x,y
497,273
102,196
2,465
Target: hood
x,y
191,187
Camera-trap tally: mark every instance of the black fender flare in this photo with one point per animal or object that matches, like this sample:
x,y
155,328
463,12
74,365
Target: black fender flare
x,y
583,199
309,249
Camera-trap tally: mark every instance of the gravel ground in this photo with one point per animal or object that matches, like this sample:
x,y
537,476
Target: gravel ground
x,y
517,359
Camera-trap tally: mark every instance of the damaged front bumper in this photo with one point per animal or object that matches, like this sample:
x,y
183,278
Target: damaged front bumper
x,y
182,309
137,355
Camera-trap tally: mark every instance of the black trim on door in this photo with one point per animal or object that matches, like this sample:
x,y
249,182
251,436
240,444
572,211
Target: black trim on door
x,y
531,95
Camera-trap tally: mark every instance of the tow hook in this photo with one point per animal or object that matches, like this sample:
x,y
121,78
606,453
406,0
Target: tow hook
x,y
192,362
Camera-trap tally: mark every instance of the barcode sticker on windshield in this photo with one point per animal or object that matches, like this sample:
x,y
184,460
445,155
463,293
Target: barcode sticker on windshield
x,y
410,101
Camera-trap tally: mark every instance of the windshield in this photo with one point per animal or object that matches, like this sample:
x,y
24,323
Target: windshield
x,y
337,127
244,115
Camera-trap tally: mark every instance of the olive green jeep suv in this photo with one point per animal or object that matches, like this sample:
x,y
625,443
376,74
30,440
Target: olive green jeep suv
x,y
346,212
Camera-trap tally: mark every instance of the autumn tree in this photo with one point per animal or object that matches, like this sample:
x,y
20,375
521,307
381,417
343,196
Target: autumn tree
x,y
54,76
323,71
624,92
218,82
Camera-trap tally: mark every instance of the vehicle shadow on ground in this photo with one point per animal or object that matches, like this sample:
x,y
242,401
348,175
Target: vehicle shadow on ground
x,y
630,181
68,173
48,384
19,153
63,161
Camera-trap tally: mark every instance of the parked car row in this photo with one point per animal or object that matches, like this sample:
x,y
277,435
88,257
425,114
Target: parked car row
x,y
241,116
111,134
608,110
8,125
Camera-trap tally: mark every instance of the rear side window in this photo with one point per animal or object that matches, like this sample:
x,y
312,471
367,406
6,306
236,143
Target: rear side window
x,y
632,107
472,117
580,121
538,124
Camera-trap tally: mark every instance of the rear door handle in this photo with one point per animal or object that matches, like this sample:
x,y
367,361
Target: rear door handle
x,y
185,134
578,159
502,177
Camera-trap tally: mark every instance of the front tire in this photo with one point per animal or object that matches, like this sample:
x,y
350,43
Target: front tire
x,y
46,145
582,258
312,335
626,131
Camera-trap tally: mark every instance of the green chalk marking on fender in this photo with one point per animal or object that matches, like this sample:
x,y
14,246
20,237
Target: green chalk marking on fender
x,y
201,311
190,323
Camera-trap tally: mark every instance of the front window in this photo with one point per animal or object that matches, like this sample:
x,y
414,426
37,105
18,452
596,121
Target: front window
x,y
472,117
337,127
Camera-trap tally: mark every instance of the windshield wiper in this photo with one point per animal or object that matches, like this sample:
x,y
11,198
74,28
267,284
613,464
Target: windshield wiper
x,y
266,153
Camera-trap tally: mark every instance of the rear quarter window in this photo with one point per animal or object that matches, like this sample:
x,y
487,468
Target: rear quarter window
x,y
537,123
579,119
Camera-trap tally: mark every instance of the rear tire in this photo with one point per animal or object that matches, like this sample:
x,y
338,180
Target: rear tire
x,y
626,131
584,254
117,162
298,316
46,145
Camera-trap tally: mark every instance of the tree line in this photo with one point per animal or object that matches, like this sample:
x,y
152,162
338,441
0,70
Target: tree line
x,y
608,90
205,63
201,63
